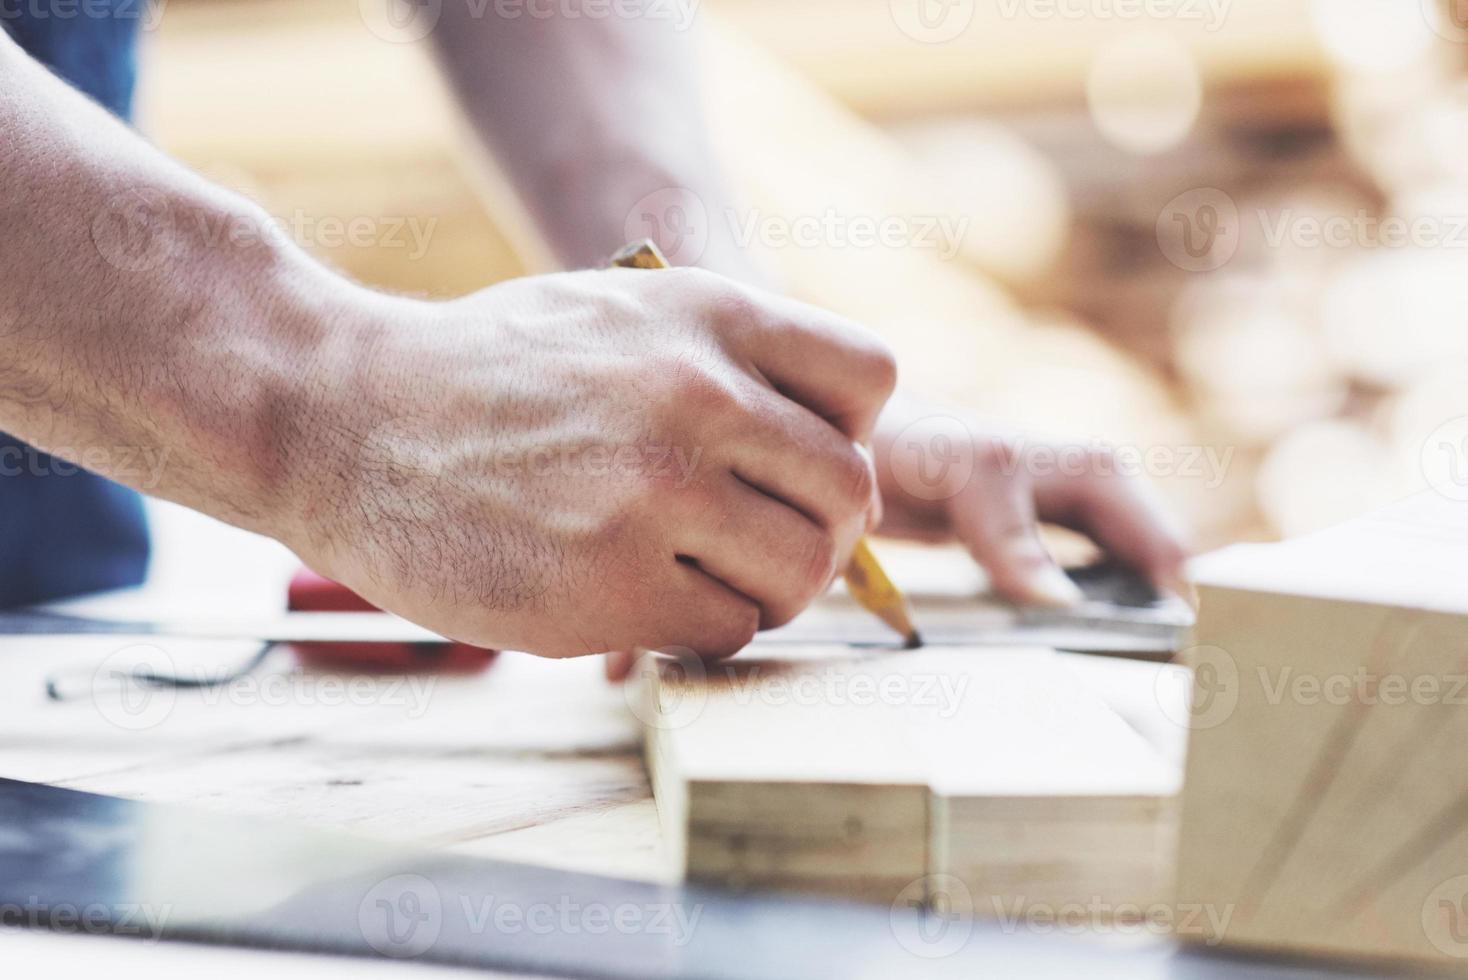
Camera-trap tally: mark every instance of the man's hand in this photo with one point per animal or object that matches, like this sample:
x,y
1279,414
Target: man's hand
x,y
567,464
589,83
946,478
594,461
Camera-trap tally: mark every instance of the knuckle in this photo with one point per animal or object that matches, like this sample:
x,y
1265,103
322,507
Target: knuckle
x,y
615,307
738,629
717,300
881,367
815,563
697,389
852,485
734,306
860,480
679,281
862,353
779,615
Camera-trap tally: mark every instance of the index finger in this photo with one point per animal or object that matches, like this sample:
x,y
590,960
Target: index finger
x,y
1122,515
839,370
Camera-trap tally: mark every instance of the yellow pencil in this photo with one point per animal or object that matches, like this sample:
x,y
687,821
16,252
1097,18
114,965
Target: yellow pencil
x,y
868,581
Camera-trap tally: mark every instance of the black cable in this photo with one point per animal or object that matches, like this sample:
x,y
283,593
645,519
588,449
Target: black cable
x,y
155,679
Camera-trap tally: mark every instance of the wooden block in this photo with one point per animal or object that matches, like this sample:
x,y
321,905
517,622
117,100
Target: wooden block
x,y
834,802
1324,804
862,774
1041,793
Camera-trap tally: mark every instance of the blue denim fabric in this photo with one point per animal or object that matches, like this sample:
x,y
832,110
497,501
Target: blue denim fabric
x,y
64,531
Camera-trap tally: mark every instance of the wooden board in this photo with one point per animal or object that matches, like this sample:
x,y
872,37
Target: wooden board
x,y
844,811
1324,802
866,774
1041,793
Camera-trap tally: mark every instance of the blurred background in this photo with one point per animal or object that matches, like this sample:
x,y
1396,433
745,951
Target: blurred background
x,y
1229,237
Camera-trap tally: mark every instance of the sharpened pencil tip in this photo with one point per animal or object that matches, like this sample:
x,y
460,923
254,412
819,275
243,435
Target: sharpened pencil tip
x,y
914,641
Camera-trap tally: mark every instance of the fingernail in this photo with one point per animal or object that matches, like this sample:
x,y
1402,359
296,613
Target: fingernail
x,y
1052,587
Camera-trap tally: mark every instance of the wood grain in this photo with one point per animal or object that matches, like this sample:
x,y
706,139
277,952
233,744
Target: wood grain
x,y
866,773
1321,804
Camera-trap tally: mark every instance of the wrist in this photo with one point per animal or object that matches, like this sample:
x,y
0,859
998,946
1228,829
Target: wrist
x,y
340,348
276,348
326,342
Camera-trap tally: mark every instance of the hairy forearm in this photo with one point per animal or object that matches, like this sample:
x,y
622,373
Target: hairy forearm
x,y
144,311
597,121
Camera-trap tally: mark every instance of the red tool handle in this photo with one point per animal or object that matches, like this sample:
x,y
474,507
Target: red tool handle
x,y
310,592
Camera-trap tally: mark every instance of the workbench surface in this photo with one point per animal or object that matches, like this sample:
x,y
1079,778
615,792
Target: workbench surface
x,y
535,760
532,760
